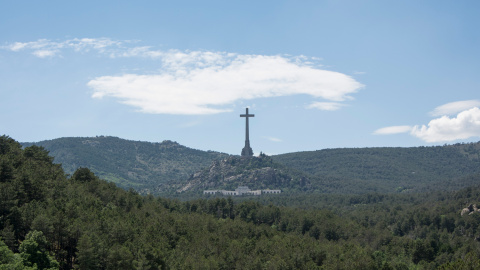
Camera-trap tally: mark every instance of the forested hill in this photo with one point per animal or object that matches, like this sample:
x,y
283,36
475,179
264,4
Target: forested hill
x,y
140,165
389,169
165,167
51,221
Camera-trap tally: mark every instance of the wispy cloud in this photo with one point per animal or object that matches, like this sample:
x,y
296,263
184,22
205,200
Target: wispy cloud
x,y
464,125
47,48
273,139
44,53
189,124
392,130
454,107
359,72
326,106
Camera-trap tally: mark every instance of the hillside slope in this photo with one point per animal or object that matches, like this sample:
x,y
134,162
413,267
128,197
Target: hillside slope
x,y
140,165
51,221
167,167
391,169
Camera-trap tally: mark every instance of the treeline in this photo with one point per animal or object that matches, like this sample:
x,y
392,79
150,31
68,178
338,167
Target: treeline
x,y
80,221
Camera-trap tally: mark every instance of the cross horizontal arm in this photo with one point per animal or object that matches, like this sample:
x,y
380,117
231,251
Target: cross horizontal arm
x,y
247,115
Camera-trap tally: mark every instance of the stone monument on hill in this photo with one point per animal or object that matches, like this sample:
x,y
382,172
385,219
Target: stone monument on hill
x,y
247,150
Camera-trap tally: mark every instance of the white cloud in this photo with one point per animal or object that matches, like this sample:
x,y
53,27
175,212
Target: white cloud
x,y
205,82
17,46
44,53
133,52
33,45
454,107
99,44
392,130
464,126
326,106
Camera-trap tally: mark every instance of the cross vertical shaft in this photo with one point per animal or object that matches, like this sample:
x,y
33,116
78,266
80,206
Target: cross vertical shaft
x,y
247,150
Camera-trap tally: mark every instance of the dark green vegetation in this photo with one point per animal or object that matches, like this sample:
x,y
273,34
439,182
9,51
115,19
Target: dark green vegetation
x,y
415,169
164,168
146,167
50,220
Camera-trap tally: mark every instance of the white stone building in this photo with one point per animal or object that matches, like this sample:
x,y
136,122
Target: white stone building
x,y
242,190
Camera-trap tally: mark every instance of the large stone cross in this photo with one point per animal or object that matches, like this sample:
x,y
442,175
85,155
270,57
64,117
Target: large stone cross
x,y
247,150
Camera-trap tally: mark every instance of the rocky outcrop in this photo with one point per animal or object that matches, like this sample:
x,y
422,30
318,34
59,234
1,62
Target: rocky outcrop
x,y
471,209
254,172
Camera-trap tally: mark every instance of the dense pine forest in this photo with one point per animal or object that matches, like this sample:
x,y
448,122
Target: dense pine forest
x,y
53,220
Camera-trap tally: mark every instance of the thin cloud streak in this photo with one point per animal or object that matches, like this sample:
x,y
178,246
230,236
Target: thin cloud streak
x,y
326,106
454,107
273,139
359,72
46,48
392,130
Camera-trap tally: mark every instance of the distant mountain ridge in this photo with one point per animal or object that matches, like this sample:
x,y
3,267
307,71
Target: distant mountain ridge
x,y
388,169
169,167
130,164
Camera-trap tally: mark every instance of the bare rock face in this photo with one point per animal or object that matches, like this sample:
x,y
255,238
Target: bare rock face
x,y
254,172
470,210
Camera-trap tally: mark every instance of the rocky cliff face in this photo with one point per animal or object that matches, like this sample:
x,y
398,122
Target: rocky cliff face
x,y
254,172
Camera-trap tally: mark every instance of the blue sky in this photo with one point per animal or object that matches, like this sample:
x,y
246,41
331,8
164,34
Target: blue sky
x,y
316,74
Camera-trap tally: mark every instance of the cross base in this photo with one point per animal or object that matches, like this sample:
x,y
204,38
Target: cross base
x,y
247,151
